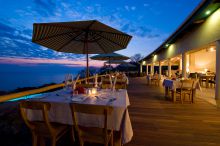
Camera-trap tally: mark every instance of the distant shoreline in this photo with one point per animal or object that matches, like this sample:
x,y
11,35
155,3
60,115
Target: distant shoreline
x,y
19,89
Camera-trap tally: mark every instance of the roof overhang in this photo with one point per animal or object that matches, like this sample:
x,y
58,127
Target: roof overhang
x,y
198,16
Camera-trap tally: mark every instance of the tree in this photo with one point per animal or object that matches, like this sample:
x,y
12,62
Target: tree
x,y
136,58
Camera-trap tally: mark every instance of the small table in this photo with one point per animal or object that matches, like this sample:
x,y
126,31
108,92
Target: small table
x,y
174,84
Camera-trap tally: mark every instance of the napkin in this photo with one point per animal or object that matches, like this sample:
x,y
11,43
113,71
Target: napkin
x,y
78,98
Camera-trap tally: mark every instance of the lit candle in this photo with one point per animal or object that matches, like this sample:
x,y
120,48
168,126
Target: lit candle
x,y
94,90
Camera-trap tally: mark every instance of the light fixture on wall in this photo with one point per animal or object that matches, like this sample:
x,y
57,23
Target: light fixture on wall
x,y
208,12
211,49
167,45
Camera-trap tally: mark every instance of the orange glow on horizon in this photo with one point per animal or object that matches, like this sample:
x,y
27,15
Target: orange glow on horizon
x,y
36,61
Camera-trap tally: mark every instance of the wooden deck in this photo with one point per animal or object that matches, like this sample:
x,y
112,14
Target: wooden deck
x,y
157,122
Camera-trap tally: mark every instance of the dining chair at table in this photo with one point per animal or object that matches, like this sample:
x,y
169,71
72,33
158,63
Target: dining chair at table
x,y
121,84
42,129
106,83
92,134
155,80
185,89
212,81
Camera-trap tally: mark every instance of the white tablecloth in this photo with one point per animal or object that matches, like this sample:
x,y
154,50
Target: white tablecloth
x,y
60,110
173,84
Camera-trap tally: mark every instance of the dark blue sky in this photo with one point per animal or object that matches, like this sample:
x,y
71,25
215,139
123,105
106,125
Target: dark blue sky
x,y
150,22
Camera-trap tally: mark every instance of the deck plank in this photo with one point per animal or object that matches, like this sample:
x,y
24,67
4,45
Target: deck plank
x,y
157,121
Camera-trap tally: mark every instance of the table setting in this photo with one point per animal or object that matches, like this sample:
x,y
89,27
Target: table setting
x,y
60,110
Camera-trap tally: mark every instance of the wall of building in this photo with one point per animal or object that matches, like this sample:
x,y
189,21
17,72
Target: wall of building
x,y
206,33
202,60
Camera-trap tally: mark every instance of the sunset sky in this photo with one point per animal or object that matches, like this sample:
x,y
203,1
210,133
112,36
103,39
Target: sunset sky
x,y
150,22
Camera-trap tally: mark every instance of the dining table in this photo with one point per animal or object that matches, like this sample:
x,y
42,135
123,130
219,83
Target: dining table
x,y
172,85
60,111
207,78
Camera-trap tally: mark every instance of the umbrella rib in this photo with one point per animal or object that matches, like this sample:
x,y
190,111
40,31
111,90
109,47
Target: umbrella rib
x,y
93,37
69,41
111,41
101,47
49,37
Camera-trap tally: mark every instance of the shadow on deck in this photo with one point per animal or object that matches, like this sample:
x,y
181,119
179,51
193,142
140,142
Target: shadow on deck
x,y
157,121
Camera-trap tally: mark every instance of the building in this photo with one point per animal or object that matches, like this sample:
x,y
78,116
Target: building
x,y
194,46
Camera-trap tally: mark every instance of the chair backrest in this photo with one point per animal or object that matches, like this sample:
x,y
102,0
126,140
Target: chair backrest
x,y
121,83
42,107
93,110
193,75
121,86
187,84
106,82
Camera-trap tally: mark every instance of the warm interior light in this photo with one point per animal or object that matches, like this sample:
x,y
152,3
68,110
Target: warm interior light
x,y
211,49
208,12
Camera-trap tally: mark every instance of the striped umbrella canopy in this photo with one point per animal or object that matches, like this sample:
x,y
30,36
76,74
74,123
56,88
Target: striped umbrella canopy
x,y
80,37
109,57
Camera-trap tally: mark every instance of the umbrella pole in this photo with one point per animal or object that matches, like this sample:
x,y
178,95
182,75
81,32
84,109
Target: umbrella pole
x,y
87,64
87,56
109,64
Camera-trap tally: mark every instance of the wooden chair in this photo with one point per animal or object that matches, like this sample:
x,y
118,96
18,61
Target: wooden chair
x,y
93,134
202,80
106,84
155,81
121,84
42,129
185,89
212,81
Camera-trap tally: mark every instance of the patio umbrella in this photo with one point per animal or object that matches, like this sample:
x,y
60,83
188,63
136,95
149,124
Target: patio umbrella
x,y
110,57
80,37
115,62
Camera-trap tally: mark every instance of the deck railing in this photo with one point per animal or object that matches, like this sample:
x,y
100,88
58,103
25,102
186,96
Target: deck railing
x,y
11,96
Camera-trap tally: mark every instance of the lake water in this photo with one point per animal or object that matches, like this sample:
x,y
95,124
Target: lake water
x,y
12,80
